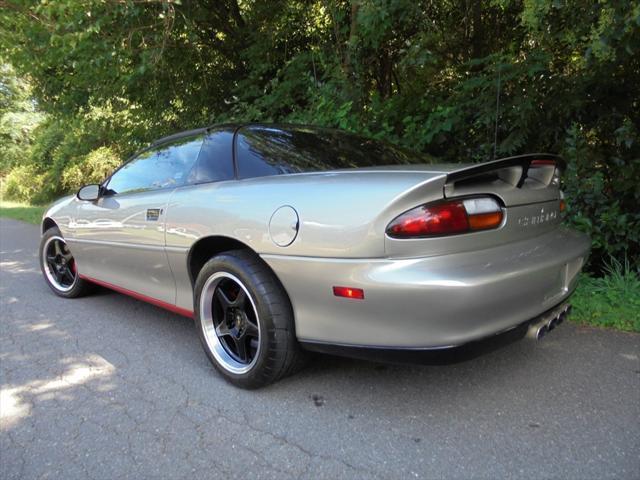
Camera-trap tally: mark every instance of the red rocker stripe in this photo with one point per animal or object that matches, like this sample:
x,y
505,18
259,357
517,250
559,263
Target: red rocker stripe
x,y
138,296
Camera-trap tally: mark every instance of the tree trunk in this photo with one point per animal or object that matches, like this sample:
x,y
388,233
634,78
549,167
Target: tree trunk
x,y
347,64
384,77
477,39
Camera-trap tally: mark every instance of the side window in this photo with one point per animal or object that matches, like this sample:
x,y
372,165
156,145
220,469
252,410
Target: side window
x,y
162,167
260,155
215,162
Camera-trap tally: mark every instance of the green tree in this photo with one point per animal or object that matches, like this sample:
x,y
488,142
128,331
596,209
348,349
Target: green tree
x,y
18,119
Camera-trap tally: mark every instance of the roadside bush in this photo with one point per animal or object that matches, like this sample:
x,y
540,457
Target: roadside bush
x,y
93,168
24,183
603,194
73,150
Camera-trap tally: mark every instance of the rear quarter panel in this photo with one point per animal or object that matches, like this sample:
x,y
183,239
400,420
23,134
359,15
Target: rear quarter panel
x,y
341,215
338,212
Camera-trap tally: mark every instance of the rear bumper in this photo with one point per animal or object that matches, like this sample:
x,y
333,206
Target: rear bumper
x,y
434,356
431,302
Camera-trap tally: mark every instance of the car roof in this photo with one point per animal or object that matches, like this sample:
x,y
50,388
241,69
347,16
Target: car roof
x,y
237,126
176,136
196,131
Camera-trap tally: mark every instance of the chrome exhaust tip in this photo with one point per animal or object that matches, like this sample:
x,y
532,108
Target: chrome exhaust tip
x,y
540,327
537,330
561,318
541,332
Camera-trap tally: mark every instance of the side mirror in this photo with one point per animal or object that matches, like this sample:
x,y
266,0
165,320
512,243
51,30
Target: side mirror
x,y
89,193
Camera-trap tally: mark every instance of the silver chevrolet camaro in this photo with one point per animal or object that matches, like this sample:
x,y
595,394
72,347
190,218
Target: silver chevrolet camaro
x,y
279,240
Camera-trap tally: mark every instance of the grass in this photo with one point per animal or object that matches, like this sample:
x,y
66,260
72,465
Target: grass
x,y
21,211
611,301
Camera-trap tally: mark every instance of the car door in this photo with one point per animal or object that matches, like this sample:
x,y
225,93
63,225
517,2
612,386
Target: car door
x,y
120,238
199,208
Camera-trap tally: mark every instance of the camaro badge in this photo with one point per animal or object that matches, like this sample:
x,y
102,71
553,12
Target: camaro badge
x,y
538,219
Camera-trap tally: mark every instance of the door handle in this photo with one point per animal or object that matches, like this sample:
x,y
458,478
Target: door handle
x,y
153,214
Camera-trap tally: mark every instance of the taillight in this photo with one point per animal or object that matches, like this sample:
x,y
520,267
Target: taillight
x,y
447,218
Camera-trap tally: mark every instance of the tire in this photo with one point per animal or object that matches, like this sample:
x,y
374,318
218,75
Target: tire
x,y
54,254
241,307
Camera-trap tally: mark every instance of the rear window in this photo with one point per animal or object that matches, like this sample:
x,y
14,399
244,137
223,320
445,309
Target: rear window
x,y
263,151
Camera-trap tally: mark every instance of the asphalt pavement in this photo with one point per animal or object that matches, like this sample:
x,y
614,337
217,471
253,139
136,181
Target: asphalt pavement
x,y
108,387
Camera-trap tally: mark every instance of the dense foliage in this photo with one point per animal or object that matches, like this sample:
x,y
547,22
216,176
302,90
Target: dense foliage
x,y
463,80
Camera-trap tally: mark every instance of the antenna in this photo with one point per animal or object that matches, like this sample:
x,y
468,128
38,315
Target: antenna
x,y
495,133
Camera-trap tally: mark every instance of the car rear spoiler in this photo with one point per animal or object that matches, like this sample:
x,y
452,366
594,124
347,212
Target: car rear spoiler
x,y
517,180
514,176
